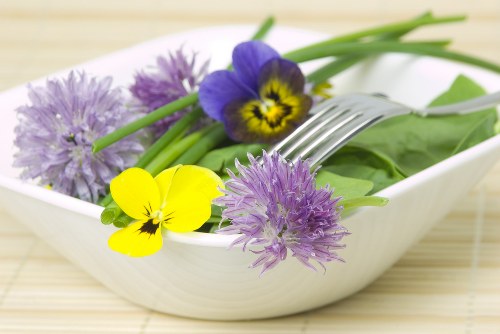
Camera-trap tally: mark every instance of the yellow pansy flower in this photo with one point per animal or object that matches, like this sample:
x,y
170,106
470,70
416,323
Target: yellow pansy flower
x,y
178,199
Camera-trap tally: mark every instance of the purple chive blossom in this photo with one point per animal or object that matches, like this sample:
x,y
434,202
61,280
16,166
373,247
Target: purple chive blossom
x,y
276,208
56,131
173,77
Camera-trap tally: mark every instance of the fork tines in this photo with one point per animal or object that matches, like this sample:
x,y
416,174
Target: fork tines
x,y
333,123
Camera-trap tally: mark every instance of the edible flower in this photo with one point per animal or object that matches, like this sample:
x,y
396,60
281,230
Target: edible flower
x,y
173,77
262,100
275,207
178,199
57,129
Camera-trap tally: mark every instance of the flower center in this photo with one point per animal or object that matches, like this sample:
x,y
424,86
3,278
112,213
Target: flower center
x,y
157,216
269,231
275,114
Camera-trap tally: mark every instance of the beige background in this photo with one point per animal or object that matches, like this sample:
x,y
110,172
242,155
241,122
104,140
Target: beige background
x,y
448,283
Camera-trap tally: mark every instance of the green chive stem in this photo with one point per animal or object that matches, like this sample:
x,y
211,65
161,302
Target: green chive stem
x,y
327,71
420,48
106,200
208,142
144,121
342,63
389,28
167,156
263,28
178,129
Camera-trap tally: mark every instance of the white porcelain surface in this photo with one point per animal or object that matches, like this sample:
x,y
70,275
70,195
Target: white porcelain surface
x,y
194,274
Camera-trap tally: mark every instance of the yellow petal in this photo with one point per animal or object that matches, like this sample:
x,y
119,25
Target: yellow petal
x,y
189,199
190,179
164,181
136,193
187,215
138,239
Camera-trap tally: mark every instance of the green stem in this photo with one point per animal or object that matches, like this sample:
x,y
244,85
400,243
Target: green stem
x,y
166,157
144,121
344,62
384,46
263,29
106,200
385,29
209,141
327,71
178,129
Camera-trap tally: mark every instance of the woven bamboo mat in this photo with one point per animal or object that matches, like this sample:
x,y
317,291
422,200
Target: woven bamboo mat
x,y
447,283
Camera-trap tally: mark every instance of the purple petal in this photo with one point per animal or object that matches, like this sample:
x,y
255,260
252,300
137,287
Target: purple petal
x,y
220,88
284,71
248,59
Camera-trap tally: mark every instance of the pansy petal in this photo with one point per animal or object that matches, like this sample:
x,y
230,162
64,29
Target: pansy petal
x,y
187,214
242,121
137,239
248,122
248,59
136,193
190,197
190,180
218,89
164,181
284,71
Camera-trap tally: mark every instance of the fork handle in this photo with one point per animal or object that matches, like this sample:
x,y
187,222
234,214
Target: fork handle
x,y
478,103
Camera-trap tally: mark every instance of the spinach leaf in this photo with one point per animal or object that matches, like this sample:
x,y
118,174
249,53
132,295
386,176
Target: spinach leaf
x,y
219,160
415,143
362,163
346,187
351,190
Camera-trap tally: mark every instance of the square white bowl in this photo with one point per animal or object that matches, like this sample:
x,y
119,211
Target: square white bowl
x,y
195,275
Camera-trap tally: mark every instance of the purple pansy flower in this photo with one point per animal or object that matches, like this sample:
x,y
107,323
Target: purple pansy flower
x,y
56,132
276,208
173,77
262,100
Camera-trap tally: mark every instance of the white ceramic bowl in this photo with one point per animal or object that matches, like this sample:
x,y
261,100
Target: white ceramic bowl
x,y
195,275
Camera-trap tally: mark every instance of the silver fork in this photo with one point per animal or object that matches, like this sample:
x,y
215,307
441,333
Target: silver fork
x,y
335,121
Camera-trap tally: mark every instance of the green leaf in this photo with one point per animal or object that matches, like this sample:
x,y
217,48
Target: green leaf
x,y
351,204
219,225
364,201
216,211
415,143
219,160
497,127
362,163
351,190
343,186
